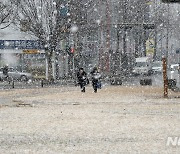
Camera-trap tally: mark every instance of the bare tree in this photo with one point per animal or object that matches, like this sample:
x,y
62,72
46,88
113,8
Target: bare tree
x,y
44,20
6,15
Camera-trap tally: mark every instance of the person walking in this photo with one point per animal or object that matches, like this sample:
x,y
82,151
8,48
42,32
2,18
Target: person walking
x,y
82,79
5,72
96,79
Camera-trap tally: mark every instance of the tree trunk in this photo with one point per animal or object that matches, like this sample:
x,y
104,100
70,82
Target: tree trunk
x,y
50,68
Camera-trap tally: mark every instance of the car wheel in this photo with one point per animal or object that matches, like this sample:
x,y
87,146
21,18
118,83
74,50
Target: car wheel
x,y
10,79
146,82
23,78
116,81
172,83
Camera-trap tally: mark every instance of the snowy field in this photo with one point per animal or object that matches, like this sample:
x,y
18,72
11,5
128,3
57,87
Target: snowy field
x,y
117,119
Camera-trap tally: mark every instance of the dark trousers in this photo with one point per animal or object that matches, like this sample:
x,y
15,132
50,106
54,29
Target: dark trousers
x,y
6,77
82,86
94,84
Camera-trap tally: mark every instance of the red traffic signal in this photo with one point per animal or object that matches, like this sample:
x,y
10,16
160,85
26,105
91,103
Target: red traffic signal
x,y
72,50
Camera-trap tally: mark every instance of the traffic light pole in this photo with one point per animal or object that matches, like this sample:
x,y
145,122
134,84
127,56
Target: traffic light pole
x,y
73,67
167,37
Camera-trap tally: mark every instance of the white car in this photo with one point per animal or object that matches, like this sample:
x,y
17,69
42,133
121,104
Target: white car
x,y
157,67
143,66
15,75
174,67
174,74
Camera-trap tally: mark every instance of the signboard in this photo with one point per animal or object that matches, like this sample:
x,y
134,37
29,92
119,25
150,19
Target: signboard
x,y
64,11
31,51
177,51
20,44
150,46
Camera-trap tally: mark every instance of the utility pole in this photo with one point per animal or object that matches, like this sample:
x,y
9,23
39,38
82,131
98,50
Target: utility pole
x,y
107,35
167,36
117,56
124,54
155,30
143,30
164,60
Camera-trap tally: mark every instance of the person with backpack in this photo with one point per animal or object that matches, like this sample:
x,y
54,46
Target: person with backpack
x,y
82,79
96,75
5,71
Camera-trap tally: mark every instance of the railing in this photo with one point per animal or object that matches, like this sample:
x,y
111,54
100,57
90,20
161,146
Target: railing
x,y
34,84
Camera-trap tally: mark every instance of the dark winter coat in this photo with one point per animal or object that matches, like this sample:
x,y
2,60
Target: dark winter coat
x,y
5,70
96,83
95,76
82,77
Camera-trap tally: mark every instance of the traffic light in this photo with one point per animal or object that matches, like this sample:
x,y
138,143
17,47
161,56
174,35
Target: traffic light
x,y
177,51
70,50
171,1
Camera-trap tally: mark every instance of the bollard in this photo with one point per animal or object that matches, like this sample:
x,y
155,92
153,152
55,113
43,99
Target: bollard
x,y
42,83
13,84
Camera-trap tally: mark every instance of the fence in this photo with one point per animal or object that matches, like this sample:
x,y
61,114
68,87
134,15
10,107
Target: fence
x,y
35,84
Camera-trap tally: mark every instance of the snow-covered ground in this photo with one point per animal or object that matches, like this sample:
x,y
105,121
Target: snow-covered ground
x,y
117,119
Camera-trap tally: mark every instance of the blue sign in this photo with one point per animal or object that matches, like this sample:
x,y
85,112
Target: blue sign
x,y
64,11
178,51
21,44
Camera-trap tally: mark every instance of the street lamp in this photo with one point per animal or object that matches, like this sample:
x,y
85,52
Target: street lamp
x,y
73,30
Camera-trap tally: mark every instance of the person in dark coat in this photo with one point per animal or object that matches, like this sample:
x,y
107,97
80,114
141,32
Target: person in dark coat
x,y
5,71
95,78
82,79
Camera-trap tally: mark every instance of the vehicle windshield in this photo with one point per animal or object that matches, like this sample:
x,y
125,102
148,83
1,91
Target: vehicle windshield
x,y
141,64
174,67
157,64
11,70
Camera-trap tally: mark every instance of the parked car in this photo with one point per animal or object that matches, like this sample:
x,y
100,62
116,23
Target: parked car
x,y
174,75
143,66
15,75
157,67
174,67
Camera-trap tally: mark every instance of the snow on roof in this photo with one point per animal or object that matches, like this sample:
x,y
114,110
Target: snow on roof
x,y
142,59
12,32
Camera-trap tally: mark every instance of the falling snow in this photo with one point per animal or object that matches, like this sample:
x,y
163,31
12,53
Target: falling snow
x,y
50,53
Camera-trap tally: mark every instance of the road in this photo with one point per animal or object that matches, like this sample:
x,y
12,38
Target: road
x,y
157,80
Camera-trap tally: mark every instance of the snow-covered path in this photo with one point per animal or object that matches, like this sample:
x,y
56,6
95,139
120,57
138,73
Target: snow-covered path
x,y
117,119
